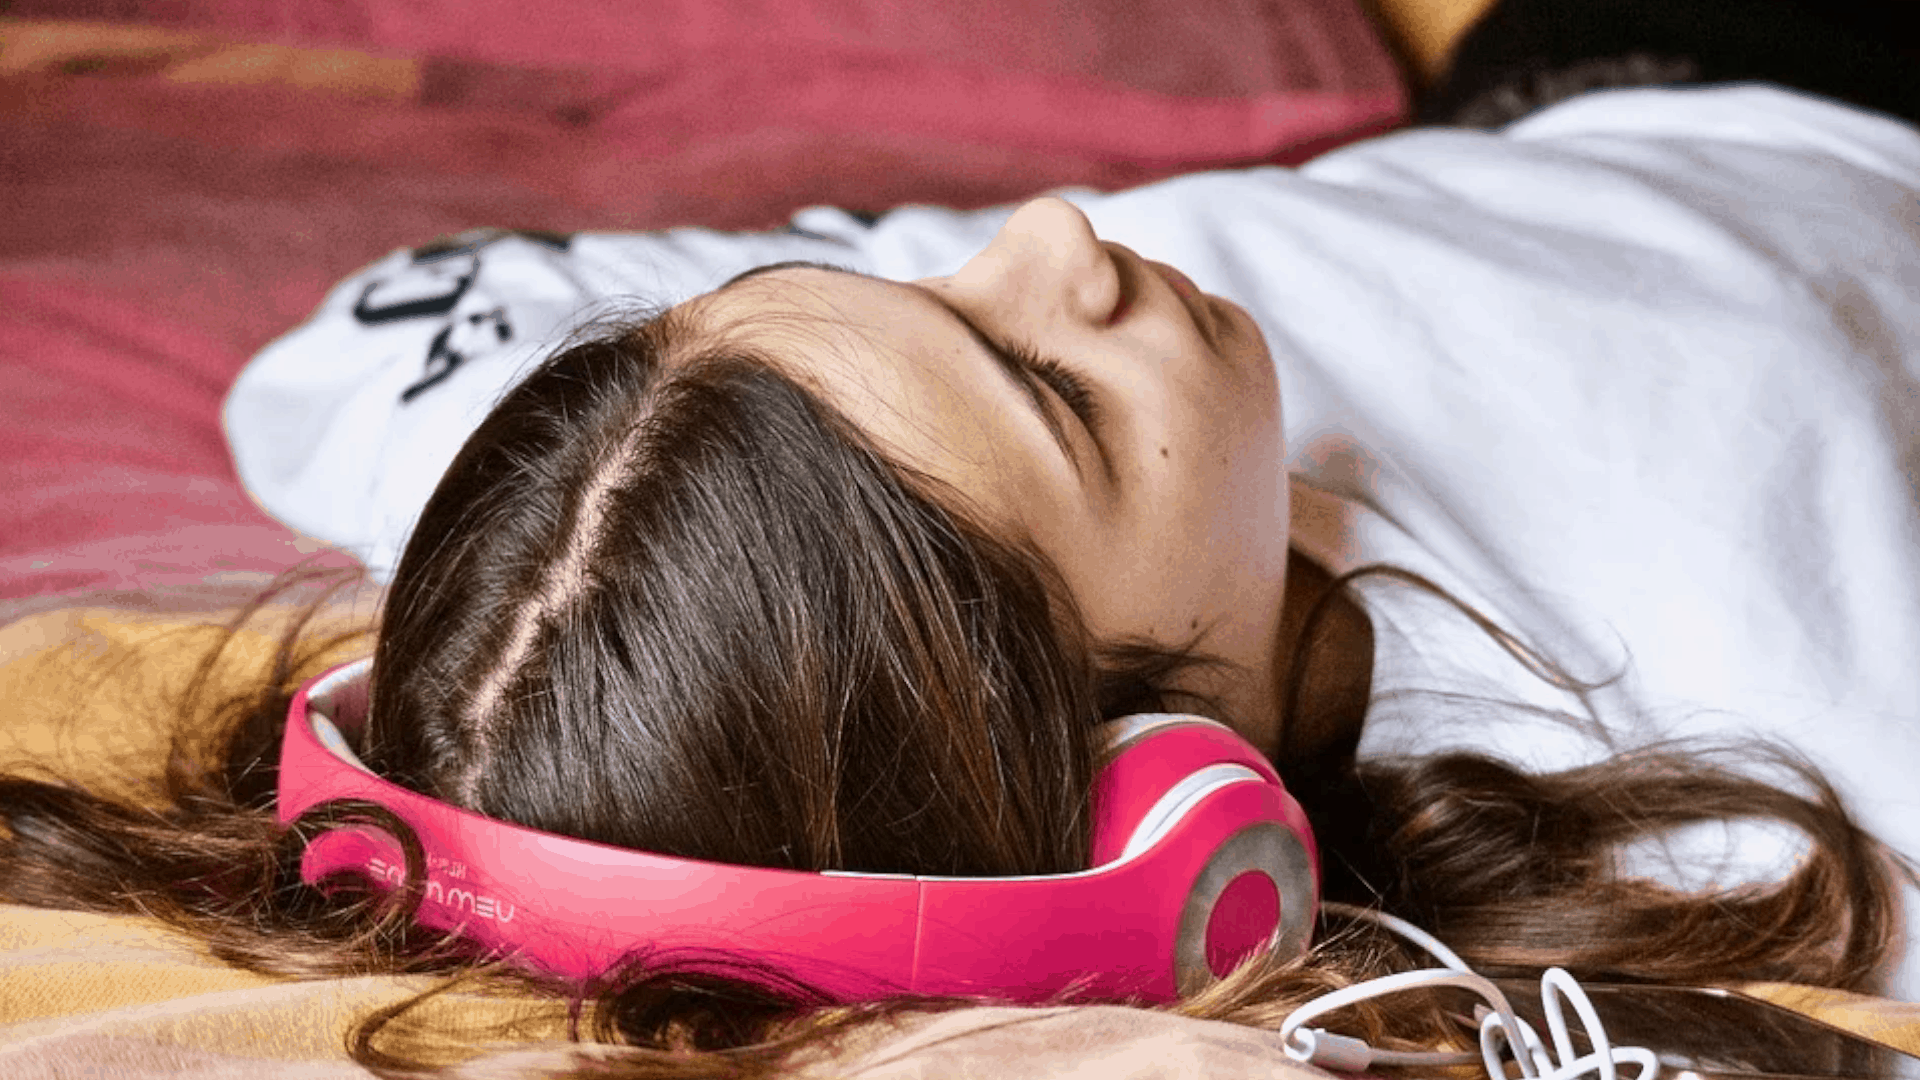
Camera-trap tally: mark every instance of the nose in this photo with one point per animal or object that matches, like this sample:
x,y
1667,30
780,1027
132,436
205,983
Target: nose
x,y
1049,251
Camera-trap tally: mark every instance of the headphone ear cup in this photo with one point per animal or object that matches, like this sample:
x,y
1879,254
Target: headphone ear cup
x,y
1260,884
1260,890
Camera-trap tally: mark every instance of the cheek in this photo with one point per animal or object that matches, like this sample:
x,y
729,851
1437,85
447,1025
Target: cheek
x,y
1241,505
1236,445
1200,533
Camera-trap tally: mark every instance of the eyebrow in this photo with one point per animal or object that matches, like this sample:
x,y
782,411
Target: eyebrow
x,y
1019,376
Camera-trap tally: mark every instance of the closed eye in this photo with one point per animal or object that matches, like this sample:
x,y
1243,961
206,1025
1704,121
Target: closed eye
x,y
1022,363
1063,381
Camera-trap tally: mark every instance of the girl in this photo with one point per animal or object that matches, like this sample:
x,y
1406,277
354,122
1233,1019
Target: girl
x,y
830,570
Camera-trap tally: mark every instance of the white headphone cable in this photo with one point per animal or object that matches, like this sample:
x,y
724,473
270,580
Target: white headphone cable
x,y
1500,1028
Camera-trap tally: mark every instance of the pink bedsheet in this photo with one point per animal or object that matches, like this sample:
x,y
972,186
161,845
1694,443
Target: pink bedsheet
x,y
156,231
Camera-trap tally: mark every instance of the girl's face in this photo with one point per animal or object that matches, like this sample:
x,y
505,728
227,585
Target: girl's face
x,y
1148,466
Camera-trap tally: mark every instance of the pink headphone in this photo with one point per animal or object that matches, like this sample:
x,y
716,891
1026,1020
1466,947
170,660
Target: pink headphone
x,y
1200,858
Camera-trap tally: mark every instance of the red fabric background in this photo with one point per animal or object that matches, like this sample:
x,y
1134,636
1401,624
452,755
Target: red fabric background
x,y
154,233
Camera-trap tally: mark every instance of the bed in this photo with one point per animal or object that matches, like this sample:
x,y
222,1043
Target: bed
x,y
182,181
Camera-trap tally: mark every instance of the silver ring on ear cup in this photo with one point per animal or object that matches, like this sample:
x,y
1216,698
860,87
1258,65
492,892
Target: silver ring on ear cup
x,y
1265,847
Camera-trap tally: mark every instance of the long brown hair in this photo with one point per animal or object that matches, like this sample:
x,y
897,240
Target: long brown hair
x,y
666,598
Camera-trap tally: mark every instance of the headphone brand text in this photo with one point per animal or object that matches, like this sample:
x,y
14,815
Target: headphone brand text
x,y
458,899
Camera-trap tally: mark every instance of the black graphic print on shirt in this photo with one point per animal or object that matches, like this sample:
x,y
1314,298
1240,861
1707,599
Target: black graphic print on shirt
x,y
431,286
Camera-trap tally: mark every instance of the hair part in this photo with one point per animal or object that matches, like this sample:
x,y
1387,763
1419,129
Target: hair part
x,y
694,556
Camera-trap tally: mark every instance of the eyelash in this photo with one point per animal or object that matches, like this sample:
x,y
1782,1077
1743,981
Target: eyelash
x,y
1062,380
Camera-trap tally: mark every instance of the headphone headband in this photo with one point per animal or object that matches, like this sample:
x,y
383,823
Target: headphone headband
x,y
1200,857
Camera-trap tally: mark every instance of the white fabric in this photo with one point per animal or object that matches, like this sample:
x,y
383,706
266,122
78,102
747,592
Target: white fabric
x,y
1639,378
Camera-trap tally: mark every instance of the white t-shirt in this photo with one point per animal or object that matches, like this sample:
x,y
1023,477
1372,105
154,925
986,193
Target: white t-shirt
x,y
1637,377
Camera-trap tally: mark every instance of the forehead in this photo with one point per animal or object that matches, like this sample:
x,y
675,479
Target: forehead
x,y
894,365
810,323
820,291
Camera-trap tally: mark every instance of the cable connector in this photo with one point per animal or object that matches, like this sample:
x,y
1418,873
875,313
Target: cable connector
x,y
1341,1053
